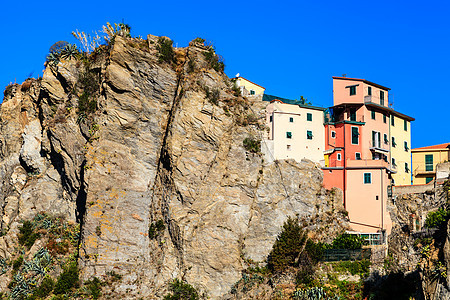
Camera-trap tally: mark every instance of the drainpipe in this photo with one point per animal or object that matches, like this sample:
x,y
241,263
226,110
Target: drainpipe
x,y
382,199
345,170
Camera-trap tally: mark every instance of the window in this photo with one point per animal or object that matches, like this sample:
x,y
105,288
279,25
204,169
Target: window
x,y
393,142
355,136
288,147
367,178
429,162
309,135
376,139
291,119
406,168
358,156
352,115
381,97
271,119
393,162
289,135
308,117
405,125
333,134
392,121
369,91
385,158
386,141
252,92
353,90
384,118
373,115
406,146
428,180
338,156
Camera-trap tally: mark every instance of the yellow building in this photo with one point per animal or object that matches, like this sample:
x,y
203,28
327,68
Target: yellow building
x,y
248,88
425,159
400,142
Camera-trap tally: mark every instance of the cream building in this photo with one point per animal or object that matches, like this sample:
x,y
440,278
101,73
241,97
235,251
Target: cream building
x,y
400,142
294,131
248,88
425,159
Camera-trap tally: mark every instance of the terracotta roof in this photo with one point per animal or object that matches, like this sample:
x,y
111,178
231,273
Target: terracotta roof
x,y
434,147
363,80
240,77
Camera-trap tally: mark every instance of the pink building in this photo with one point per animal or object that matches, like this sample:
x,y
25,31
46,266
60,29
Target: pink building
x,y
357,155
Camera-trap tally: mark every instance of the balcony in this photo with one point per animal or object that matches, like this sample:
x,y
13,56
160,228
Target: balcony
x,y
393,168
376,100
423,170
379,147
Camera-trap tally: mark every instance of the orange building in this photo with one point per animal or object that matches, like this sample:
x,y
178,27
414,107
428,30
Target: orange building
x,y
357,151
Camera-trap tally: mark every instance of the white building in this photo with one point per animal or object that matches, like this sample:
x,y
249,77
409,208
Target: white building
x,y
295,131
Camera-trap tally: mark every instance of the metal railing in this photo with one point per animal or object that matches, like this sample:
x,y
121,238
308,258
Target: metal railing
x,y
377,100
344,254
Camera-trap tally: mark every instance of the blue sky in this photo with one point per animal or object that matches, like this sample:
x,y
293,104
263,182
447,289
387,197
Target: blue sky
x,y
292,48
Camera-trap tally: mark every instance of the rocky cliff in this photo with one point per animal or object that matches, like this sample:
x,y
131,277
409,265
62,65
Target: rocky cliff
x,y
146,154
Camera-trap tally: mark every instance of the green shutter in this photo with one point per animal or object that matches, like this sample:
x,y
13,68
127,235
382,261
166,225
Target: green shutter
x,y
309,135
392,120
355,136
405,125
428,179
429,162
373,115
308,117
367,178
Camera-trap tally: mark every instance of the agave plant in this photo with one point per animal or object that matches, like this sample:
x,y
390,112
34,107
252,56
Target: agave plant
x,y
53,59
70,51
3,266
46,224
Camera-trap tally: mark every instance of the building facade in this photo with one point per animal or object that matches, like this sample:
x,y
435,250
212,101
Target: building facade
x,y
294,131
425,159
358,155
248,88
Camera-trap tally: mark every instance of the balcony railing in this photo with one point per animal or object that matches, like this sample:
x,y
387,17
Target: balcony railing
x,y
341,117
376,100
424,170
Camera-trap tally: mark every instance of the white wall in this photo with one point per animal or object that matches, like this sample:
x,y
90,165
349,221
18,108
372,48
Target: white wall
x,y
298,146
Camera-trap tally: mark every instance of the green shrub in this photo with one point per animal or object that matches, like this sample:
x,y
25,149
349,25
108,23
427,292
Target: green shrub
x,y
252,145
199,40
86,104
67,279
17,263
212,95
155,229
181,291
165,48
214,61
94,287
27,236
44,289
348,241
360,267
437,219
287,246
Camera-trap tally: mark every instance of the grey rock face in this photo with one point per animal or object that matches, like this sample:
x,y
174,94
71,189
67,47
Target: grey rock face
x,y
156,148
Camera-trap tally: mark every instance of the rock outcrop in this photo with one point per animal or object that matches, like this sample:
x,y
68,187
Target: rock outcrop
x,y
122,141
